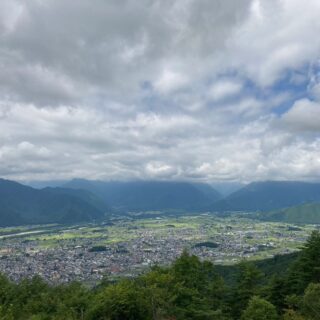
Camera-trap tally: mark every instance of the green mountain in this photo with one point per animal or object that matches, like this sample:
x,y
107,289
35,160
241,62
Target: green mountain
x,y
305,213
20,204
269,195
149,195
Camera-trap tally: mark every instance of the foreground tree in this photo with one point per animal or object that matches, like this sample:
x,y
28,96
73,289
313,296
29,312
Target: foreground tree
x,y
307,267
259,309
247,285
122,301
311,301
292,315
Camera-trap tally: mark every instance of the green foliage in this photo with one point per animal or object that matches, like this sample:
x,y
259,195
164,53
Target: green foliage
x,y
259,309
199,291
311,301
305,307
307,268
247,285
125,301
292,315
189,289
276,292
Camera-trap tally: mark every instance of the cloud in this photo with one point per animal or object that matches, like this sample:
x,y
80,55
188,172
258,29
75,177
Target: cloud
x,y
103,47
278,36
224,89
304,115
185,90
170,81
160,170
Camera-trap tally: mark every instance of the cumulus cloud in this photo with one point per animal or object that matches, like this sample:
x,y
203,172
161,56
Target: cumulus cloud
x,y
278,36
97,47
304,115
185,90
224,89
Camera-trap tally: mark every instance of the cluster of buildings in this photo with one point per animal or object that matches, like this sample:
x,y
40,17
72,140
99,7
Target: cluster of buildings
x,y
85,259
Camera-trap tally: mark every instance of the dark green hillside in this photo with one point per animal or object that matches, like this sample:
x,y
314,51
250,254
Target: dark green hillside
x,y
278,265
20,204
269,195
305,213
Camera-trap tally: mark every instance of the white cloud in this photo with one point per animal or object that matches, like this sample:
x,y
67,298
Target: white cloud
x,y
170,81
9,15
155,89
279,35
224,89
160,170
304,115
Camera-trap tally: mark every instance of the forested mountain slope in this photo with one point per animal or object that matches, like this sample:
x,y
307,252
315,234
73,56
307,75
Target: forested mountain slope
x,y
20,204
269,195
304,213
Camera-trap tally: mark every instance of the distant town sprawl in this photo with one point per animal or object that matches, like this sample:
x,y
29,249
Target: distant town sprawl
x,y
126,247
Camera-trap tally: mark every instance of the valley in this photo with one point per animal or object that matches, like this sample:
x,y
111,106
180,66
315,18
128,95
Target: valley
x,y
129,245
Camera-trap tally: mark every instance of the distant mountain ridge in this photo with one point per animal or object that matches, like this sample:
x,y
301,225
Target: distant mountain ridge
x,y
304,213
269,195
20,204
149,195
86,200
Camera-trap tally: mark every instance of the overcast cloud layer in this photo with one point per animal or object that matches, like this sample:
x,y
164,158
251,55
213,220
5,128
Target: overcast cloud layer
x,y
206,90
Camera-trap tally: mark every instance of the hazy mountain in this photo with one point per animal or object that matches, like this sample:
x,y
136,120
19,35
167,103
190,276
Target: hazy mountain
x,y
20,204
44,184
84,195
270,195
304,213
227,188
149,195
212,193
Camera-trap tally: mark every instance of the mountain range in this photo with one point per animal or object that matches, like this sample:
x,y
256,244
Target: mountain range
x,y
85,200
269,195
150,195
20,204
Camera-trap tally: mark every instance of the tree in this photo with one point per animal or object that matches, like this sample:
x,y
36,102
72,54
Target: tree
x,y
122,301
5,289
277,291
259,309
307,267
246,286
311,301
159,284
292,315
199,292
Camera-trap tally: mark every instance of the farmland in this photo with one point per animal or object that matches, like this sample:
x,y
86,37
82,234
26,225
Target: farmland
x,y
128,245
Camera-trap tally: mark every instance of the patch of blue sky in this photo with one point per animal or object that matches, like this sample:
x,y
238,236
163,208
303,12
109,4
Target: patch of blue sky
x,y
295,84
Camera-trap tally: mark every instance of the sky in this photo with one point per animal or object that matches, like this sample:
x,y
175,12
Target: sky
x,y
191,90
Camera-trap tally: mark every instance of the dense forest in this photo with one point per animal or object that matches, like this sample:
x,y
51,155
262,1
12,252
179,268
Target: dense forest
x,y
188,289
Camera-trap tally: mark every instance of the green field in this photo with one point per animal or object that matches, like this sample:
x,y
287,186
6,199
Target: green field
x,y
264,239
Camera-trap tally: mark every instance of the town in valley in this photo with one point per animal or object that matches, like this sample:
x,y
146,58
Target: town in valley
x,y
127,246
